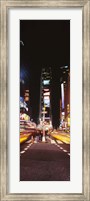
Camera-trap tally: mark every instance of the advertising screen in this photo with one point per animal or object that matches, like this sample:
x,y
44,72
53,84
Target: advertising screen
x,y
46,82
47,101
62,95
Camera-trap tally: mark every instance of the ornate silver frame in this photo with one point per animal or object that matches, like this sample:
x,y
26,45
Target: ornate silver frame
x,y
4,7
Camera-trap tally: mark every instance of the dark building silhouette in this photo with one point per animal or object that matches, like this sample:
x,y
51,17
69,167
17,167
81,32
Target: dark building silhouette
x,y
55,97
50,96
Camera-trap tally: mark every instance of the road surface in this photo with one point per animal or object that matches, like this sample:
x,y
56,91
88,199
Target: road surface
x,y
45,161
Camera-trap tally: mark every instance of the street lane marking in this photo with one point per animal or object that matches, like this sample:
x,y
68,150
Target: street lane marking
x,y
53,142
25,148
59,142
29,141
61,148
58,145
65,150
22,152
29,145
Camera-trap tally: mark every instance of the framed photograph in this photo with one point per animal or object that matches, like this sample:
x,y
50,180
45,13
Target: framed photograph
x,y
44,64
44,99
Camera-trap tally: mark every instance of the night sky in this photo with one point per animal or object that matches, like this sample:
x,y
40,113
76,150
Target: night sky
x,y
46,43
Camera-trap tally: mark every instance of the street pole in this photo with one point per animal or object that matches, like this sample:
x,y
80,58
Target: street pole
x,y
43,138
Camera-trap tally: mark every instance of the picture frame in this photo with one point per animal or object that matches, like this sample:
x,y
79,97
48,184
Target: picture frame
x,y
5,5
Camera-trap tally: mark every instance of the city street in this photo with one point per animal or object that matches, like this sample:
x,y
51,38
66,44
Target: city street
x,y
45,161
45,100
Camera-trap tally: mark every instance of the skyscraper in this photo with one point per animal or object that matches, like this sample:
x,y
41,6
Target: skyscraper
x,y
65,95
45,94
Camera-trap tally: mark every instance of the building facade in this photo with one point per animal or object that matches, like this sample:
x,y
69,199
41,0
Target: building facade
x,y
65,96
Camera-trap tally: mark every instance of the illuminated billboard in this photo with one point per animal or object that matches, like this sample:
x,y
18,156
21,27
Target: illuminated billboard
x,y
47,101
47,93
46,82
62,95
45,90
